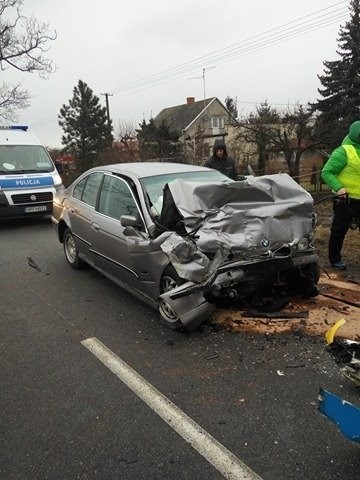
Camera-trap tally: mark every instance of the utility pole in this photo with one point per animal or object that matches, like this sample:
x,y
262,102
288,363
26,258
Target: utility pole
x,y
107,95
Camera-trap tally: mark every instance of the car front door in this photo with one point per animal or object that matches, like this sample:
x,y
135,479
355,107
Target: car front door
x,y
109,246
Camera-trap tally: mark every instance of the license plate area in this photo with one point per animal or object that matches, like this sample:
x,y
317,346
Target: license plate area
x,y
36,208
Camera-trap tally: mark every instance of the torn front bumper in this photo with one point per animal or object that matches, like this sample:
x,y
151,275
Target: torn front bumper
x,y
232,274
189,304
189,301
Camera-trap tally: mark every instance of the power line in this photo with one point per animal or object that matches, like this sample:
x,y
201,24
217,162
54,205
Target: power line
x,y
244,46
249,51
253,49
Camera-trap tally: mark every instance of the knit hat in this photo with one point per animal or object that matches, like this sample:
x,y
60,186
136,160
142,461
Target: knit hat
x,y
354,132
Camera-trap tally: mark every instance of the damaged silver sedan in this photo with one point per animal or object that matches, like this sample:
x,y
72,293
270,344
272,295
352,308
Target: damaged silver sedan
x,y
183,237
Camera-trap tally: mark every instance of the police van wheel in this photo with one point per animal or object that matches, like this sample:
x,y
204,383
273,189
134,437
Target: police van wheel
x,y
70,249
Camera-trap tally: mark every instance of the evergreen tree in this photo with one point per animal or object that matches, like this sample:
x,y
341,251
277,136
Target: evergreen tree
x,y
87,133
158,141
147,138
230,104
340,102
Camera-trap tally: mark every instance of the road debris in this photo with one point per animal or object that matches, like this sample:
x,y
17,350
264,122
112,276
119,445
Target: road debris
x,y
273,316
343,413
301,316
346,354
33,264
212,357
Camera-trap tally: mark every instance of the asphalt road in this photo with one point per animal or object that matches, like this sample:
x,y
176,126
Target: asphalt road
x,y
64,415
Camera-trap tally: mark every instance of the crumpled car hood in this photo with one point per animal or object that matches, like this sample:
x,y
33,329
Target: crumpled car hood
x,y
255,214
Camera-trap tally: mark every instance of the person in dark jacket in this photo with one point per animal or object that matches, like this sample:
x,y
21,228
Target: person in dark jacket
x,y
342,173
221,161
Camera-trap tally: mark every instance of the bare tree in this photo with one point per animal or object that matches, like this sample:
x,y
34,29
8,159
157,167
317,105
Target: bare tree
x,y
12,98
269,133
126,147
256,135
23,46
126,130
295,136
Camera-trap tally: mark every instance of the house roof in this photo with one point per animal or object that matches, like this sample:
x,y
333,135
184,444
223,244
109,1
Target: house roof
x,y
179,117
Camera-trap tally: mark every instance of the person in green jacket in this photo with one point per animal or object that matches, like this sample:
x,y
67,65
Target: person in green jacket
x,y
342,173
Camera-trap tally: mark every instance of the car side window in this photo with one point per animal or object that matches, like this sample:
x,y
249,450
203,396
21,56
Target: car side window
x,y
87,189
116,198
91,188
79,188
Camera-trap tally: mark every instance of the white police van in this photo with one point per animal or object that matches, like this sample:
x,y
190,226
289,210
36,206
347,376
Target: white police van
x,y
28,177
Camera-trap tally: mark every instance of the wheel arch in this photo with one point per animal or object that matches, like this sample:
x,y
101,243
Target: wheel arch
x,y
62,226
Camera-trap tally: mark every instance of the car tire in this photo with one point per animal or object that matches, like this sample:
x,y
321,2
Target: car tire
x,y
302,281
169,281
314,271
70,250
311,276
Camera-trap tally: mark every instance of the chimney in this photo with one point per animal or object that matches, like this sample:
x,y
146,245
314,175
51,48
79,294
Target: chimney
x,y
190,100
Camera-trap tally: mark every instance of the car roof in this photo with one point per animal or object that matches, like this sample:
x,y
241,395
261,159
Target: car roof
x,y
151,169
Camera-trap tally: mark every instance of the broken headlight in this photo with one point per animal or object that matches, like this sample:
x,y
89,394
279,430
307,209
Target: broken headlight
x,y
303,244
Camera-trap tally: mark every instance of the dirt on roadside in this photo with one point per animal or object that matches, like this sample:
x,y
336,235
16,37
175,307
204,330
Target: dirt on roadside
x,y
313,316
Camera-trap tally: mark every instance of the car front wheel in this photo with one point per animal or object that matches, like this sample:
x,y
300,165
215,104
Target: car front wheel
x,y
169,281
70,249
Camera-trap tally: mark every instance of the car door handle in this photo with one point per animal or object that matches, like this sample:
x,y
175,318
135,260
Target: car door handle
x,y
95,226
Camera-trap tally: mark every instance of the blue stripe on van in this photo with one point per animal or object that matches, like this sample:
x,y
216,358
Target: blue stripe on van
x,y
30,182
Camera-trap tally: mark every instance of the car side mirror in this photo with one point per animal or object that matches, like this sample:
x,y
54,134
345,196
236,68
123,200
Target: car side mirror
x,y
130,221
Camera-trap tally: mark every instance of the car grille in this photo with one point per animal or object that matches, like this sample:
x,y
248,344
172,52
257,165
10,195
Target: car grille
x,y
26,197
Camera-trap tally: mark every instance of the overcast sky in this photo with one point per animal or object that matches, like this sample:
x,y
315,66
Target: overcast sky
x,y
145,54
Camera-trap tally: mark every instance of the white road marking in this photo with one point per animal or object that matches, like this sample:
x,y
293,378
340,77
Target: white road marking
x,y
222,459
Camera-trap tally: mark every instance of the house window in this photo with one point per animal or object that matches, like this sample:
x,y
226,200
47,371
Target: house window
x,y
216,122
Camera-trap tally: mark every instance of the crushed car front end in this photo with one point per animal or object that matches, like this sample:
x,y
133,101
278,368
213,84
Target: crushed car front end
x,y
251,240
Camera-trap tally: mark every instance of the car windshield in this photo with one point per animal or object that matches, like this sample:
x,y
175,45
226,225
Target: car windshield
x,y
154,186
24,158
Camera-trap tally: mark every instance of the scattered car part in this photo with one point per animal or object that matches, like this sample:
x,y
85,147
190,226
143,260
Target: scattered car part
x,y
343,413
346,354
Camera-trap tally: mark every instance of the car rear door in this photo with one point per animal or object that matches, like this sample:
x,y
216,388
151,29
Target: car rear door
x,y
81,207
109,247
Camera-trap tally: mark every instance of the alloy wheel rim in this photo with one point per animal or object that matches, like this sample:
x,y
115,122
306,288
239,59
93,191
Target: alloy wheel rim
x,y
70,249
167,285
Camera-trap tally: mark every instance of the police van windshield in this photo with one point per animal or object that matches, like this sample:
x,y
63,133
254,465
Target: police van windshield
x,y
24,159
